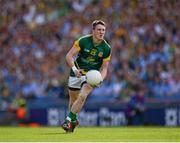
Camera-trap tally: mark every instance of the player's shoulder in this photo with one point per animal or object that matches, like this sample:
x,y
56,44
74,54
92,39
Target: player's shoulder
x,y
85,40
86,37
106,44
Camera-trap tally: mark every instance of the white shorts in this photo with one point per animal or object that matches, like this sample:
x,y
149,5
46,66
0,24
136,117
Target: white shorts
x,y
76,83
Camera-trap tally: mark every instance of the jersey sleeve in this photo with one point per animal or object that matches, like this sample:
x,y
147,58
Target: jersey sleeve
x,y
107,55
76,45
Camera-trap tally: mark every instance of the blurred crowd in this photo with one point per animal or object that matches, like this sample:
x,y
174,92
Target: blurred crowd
x,y
35,36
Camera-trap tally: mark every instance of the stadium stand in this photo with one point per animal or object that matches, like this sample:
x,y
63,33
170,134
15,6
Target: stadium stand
x,y
36,34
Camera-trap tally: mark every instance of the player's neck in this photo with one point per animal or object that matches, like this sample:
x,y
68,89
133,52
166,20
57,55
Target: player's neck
x,y
96,41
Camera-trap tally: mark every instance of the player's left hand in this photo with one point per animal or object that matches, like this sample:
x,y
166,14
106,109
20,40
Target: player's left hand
x,y
98,85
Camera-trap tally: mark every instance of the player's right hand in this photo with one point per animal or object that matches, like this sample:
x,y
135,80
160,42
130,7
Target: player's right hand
x,y
78,73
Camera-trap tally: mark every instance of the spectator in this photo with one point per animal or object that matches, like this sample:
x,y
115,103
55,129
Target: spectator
x,y
136,107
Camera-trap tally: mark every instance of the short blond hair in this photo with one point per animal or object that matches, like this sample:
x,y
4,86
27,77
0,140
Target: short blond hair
x,y
96,22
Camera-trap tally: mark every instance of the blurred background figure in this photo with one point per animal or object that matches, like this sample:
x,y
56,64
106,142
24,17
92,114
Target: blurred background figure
x,y
136,107
16,112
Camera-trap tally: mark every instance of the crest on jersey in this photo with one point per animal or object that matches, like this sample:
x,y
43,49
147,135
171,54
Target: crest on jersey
x,y
100,54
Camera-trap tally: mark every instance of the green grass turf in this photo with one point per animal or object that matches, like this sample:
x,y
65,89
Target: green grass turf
x,y
90,134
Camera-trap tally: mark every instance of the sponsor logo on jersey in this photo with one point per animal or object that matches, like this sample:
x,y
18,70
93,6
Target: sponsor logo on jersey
x,y
86,50
93,52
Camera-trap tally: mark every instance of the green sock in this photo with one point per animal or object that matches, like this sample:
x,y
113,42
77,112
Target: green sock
x,y
71,117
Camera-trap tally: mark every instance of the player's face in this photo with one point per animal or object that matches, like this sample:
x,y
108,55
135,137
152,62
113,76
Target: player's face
x,y
99,32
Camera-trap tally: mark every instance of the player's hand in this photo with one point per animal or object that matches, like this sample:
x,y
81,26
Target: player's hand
x,y
98,85
78,73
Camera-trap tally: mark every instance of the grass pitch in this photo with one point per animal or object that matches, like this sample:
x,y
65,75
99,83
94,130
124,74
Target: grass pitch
x,y
90,134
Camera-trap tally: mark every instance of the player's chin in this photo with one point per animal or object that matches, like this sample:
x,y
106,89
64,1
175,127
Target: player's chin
x,y
100,37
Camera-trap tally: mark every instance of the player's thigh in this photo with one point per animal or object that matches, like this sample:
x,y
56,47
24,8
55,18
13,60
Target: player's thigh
x,y
73,94
86,89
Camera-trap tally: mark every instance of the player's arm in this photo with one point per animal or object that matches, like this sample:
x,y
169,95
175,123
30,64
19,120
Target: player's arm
x,y
70,60
104,69
105,64
69,57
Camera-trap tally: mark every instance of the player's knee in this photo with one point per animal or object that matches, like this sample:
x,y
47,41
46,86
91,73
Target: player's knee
x,y
83,98
86,90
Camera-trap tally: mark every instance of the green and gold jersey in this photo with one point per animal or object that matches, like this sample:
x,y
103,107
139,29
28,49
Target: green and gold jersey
x,y
91,56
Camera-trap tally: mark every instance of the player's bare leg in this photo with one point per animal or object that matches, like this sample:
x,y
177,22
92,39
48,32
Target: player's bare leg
x,y
78,104
69,125
73,95
75,107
